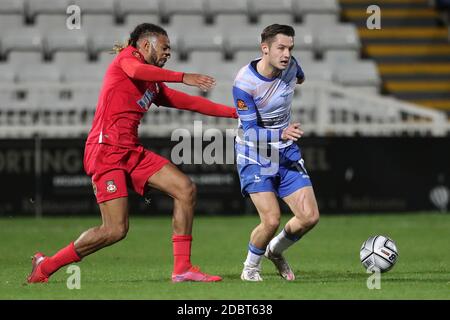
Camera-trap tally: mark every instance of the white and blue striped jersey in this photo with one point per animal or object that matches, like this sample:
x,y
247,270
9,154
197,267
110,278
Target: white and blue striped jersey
x,y
263,104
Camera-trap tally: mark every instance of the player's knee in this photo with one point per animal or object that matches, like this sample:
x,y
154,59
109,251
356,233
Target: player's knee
x,y
116,233
312,217
187,191
271,224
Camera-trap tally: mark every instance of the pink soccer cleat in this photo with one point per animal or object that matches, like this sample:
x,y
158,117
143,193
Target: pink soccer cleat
x,y
194,274
36,274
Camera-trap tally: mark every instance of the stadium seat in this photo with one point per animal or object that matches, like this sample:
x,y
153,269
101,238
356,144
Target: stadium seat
x,y
7,73
257,7
226,21
210,38
44,96
363,73
49,22
170,7
66,40
91,72
317,20
223,72
38,73
10,21
34,7
106,57
86,96
126,7
104,40
20,57
215,7
180,22
302,7
303,56
304,37
12,7
132,20
238,39
265,20
341,36
222,93
96,6
210,58
242,58
335,57
317,71
181,66
92,22
62,58
22,39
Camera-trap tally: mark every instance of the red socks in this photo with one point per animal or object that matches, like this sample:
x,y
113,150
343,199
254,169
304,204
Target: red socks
x,y
67,255
181,253
63,257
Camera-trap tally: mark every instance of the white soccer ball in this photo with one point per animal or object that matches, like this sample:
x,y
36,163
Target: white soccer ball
x,y
378,253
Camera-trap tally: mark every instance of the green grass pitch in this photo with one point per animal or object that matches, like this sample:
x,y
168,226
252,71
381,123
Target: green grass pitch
x,y
326,261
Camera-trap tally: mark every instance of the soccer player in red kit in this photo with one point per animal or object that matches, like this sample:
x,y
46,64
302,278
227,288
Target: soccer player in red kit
x,y
115,158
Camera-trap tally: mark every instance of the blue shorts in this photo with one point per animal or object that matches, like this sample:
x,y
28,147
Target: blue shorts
x,y
262,172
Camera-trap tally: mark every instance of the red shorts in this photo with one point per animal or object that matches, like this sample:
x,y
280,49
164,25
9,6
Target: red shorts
x,y
113,169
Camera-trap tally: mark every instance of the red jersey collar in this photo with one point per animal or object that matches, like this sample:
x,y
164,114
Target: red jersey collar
x,y
135,52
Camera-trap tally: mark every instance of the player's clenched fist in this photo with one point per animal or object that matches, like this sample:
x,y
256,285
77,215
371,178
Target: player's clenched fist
x,y
201,81
292,132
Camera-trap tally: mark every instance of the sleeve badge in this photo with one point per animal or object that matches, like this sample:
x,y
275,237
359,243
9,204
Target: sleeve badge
x,y
241,105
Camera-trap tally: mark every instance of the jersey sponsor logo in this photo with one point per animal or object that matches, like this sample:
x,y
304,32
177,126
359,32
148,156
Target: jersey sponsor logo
x,y
110,186
241,105
137,55
146,100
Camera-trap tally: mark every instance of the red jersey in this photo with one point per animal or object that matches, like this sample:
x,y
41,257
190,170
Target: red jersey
x,y
129,88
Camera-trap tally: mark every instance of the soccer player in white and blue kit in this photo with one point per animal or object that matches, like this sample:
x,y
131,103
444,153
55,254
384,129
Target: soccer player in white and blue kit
x,y
269,161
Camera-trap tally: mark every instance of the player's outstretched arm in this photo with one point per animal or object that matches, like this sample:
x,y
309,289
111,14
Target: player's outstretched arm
x,y
147,72
201,81
175,99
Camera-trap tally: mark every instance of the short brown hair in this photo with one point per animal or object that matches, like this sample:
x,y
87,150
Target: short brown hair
x,y
270,32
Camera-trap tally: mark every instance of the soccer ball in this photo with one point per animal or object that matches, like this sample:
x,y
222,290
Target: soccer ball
x,y
378,253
